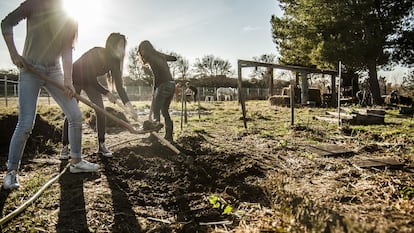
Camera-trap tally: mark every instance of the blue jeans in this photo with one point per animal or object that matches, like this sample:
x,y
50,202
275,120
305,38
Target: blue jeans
x,y
96,98
161,104
29,89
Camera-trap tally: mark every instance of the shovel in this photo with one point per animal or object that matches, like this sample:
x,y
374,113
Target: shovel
x,y
160,138
122,123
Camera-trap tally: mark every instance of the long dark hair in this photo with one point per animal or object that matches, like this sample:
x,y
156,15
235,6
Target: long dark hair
x,y
113,39
110,44
145,49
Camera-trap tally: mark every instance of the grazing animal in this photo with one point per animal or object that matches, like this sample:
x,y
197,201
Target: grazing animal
x,y
226,93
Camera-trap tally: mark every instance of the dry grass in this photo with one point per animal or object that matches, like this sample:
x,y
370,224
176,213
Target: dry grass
x,y
307,192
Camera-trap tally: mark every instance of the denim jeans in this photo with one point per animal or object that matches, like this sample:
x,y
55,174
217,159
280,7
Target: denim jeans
x,y
29,88
95,97
161,104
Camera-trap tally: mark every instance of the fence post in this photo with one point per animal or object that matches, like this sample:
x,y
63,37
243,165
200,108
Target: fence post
x,y
292,104
5,90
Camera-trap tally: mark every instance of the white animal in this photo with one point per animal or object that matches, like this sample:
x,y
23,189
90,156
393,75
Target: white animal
x,y
225,93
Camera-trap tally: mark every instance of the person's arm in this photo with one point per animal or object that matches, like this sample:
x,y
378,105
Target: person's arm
x,y
67,71
169,57
116,74
117,78
67,57
152,103
7,25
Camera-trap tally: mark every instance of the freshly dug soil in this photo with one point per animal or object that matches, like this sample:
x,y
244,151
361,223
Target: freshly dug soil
x,y
271,185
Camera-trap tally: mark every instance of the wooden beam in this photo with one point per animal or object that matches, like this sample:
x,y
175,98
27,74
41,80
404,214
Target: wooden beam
x,y
246,63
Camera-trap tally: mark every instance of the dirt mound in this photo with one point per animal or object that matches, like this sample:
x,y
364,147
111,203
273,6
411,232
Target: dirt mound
x,y
40,141
156,182
111,125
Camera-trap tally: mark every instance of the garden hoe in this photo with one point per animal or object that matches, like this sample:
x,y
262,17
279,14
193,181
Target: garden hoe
x,y
122,123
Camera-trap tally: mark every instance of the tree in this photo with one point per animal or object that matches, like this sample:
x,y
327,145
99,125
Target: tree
x,y
180,68
362,34
408,81
263,73
210,65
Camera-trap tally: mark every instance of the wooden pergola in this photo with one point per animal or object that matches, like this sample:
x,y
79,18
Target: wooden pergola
x,y
299,70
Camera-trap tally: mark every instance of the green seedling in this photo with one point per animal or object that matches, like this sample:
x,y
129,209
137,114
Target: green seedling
x,y
407,193
219,203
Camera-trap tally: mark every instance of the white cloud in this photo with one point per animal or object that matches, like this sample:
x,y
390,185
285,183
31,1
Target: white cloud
x,y
249,28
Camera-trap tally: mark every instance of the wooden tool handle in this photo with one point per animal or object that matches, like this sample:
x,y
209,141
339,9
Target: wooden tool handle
x,y
42,76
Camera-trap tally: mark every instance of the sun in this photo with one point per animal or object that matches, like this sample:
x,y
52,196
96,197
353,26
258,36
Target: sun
x,y
86,12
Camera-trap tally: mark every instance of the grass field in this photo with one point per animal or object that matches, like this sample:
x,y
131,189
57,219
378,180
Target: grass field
x,y
265,172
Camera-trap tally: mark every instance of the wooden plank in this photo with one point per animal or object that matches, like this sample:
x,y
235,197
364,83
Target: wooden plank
x,y
328,119
330,150
342,115
379,163
368,120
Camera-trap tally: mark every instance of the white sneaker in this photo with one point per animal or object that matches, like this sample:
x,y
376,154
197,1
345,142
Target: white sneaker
x,y
64,153
10,181
104,151
83,166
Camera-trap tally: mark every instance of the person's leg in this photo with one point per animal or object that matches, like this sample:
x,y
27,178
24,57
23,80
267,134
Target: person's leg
x,y
156,105
72,112
28,89
65,137
169,127
70,108
64,153
167,93
96,98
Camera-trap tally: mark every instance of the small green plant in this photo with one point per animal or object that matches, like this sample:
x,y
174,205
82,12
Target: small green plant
x,y
308,155
282,143
407,193
266,134
219,203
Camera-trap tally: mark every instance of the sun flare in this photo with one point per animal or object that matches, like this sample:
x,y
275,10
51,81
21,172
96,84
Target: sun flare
x,y
86,12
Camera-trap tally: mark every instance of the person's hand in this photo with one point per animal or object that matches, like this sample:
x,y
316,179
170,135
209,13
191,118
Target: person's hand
x,y
132,110
18,60
69,88
111,97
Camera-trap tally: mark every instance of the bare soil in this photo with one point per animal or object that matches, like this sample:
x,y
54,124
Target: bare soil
x,y
272,185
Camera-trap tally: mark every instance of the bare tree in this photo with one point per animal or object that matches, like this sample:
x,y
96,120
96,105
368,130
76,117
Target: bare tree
x,y
180,68
209,65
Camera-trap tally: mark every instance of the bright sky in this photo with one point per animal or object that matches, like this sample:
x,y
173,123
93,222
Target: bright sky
x,y
229,29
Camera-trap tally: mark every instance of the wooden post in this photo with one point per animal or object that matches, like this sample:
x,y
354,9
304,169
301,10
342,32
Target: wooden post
x,y
305,88
182,107
339,94
333,92
292,104
270,74
239,89
5,90
185,108
199,105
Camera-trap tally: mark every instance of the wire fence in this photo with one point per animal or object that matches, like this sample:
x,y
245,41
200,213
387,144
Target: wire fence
x,y
9,93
